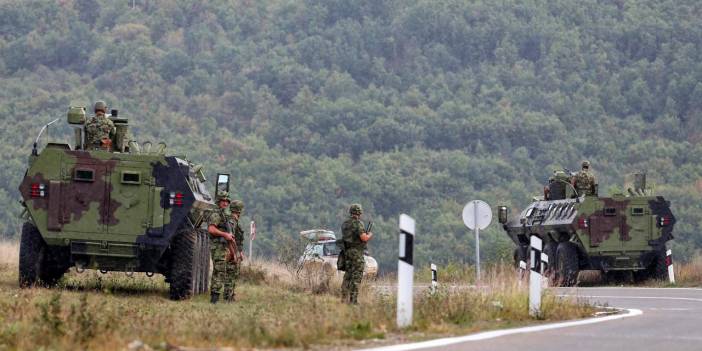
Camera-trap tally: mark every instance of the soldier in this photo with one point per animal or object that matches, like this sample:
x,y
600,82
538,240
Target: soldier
x,y
220,237
237,256
584,182
355,238
99,130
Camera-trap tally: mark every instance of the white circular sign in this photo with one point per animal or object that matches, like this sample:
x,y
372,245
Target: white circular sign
x,y
479,212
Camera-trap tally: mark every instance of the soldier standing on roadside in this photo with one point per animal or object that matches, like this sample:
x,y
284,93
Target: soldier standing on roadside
x,y
220,236
584,182
236,208
99,130
355,239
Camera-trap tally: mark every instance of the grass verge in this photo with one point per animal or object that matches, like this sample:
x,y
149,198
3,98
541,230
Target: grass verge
x,y
276,309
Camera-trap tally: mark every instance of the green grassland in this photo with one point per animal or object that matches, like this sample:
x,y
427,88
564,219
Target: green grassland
x,y
107,312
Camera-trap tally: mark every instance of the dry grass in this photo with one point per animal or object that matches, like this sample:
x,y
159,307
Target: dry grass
x,y
690,273
276,309
9,254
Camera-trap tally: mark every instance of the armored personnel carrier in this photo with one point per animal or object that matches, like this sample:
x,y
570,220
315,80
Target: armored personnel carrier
x,y
621,235
127,208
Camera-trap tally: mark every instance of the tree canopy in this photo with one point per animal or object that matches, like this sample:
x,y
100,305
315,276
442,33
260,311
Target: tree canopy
x,y
411,106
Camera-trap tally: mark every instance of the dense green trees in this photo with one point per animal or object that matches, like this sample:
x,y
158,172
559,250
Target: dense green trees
x,y
404,106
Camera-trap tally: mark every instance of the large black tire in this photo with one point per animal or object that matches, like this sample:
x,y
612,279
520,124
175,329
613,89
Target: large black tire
x,y
38,262
205,262
31,257
51,271
567,263
659,268
184,264
197,281
550,250
520,254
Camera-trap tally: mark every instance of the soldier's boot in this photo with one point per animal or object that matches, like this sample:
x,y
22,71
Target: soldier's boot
x,y
353,299
229,296
214,297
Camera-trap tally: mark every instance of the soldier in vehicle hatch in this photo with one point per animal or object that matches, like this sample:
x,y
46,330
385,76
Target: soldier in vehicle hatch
x,y
99,130
221,238
584,181
355,239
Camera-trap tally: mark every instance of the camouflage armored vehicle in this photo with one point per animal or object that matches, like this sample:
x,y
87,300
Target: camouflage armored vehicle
x,y
128,209
621,235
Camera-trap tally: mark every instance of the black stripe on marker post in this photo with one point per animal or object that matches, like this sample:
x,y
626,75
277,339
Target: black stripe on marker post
x,y
536,260
409,244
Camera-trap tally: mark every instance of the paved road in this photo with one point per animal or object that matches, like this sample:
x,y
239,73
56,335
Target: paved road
x,y
671,321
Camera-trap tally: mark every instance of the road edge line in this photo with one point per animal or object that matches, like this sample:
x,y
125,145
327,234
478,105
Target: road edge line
x,y
632,312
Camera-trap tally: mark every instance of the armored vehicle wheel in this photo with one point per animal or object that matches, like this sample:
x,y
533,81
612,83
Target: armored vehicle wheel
x,y
51,272
190,261
567,263
550,251
32,251
197,261
183,264
642,275
520,254
202,270
205,262
659,269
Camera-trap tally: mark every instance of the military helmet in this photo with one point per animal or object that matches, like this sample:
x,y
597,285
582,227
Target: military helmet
x,y
223,195
586,164
237,206
355,209
100,106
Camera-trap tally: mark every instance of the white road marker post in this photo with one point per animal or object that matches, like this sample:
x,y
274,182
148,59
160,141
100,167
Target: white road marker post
x,y
405,272
669,263
252,236
535,276
520,271
434,279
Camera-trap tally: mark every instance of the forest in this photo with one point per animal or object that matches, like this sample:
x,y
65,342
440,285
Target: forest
x,y
413,106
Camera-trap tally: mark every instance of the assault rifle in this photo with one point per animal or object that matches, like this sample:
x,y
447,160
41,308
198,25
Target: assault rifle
x,y
232,248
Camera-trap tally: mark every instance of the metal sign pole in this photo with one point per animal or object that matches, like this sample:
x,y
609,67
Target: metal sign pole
x,y
477,244
669,263
252,235
477,215
250,248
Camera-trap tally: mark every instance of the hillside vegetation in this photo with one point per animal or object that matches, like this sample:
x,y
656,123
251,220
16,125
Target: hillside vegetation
x,y
404,106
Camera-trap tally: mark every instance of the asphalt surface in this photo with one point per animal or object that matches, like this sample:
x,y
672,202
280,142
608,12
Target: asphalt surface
x,y
661,319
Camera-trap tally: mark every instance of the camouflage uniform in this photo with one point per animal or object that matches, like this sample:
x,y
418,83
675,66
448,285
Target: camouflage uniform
x,y
236,207
98,128
353,257
223,272
584,181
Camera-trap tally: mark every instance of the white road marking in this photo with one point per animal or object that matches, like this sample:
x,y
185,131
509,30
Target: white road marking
x,y
627,288
498,333
632,297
